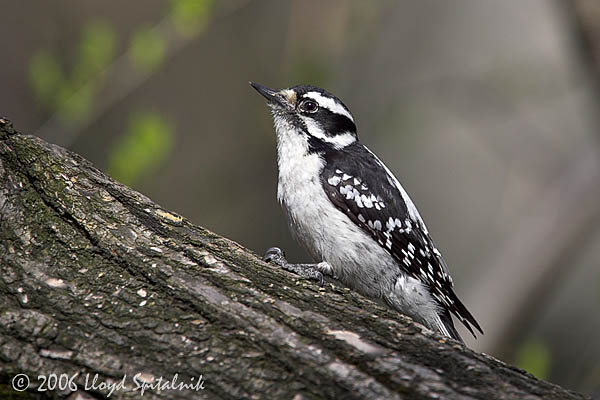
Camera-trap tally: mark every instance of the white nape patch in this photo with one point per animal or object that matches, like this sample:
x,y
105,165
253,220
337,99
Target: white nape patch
x,y
342,140
330,104
338,141
412,210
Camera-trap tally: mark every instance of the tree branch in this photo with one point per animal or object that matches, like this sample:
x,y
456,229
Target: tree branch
x,y
97,279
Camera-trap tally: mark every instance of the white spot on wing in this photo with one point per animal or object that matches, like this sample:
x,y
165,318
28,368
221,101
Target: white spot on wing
x,y
358,200
334,180
412,210
390,224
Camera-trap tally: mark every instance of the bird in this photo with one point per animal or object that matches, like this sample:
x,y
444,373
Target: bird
x,y
352,215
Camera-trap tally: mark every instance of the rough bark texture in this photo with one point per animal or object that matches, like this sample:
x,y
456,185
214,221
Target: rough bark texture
x,y
97,279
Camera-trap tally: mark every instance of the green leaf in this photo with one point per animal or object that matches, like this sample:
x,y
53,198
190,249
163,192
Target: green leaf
x,y
190,16
534,357
74,104
143,148
96,50
45,77
147,49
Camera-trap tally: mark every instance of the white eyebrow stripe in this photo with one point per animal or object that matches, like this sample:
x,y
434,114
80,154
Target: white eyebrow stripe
x,y
338,141
329,104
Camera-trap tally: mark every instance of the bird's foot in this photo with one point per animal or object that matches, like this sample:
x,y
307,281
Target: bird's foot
x,y
313,272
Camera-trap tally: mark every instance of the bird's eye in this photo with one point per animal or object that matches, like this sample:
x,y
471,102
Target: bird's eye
x,y
308,106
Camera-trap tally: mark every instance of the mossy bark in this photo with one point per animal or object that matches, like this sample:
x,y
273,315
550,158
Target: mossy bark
x,y
97,279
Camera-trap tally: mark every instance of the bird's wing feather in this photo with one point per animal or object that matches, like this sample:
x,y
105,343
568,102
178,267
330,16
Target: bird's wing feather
x,y
379,206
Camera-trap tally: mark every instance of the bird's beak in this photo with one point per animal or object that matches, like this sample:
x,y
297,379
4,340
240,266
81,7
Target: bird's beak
x,y
273,96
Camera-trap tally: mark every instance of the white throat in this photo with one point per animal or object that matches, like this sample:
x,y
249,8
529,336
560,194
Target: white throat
x,y
297,166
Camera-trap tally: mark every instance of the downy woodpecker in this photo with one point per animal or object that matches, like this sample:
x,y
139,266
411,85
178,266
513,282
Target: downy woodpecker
x,y
352,215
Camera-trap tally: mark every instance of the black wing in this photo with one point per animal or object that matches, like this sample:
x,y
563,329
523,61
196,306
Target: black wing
x,y
353,179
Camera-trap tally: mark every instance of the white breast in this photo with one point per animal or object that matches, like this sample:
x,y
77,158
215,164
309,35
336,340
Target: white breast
x,y
327,233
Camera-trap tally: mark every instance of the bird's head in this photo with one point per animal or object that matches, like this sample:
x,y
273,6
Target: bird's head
x,y
311,112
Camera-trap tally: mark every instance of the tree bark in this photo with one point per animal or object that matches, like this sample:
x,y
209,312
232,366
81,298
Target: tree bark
x,y
98,281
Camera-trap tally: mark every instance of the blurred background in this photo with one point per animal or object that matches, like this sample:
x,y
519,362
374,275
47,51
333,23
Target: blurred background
x,y
487,111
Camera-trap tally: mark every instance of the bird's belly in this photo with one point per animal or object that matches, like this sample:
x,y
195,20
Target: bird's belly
x,y
329,235
356,259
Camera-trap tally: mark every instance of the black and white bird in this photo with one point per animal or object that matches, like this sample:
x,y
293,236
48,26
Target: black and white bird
x,y
352,215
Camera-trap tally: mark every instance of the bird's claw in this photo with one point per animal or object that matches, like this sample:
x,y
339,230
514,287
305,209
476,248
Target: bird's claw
x,y
308,271
275,255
